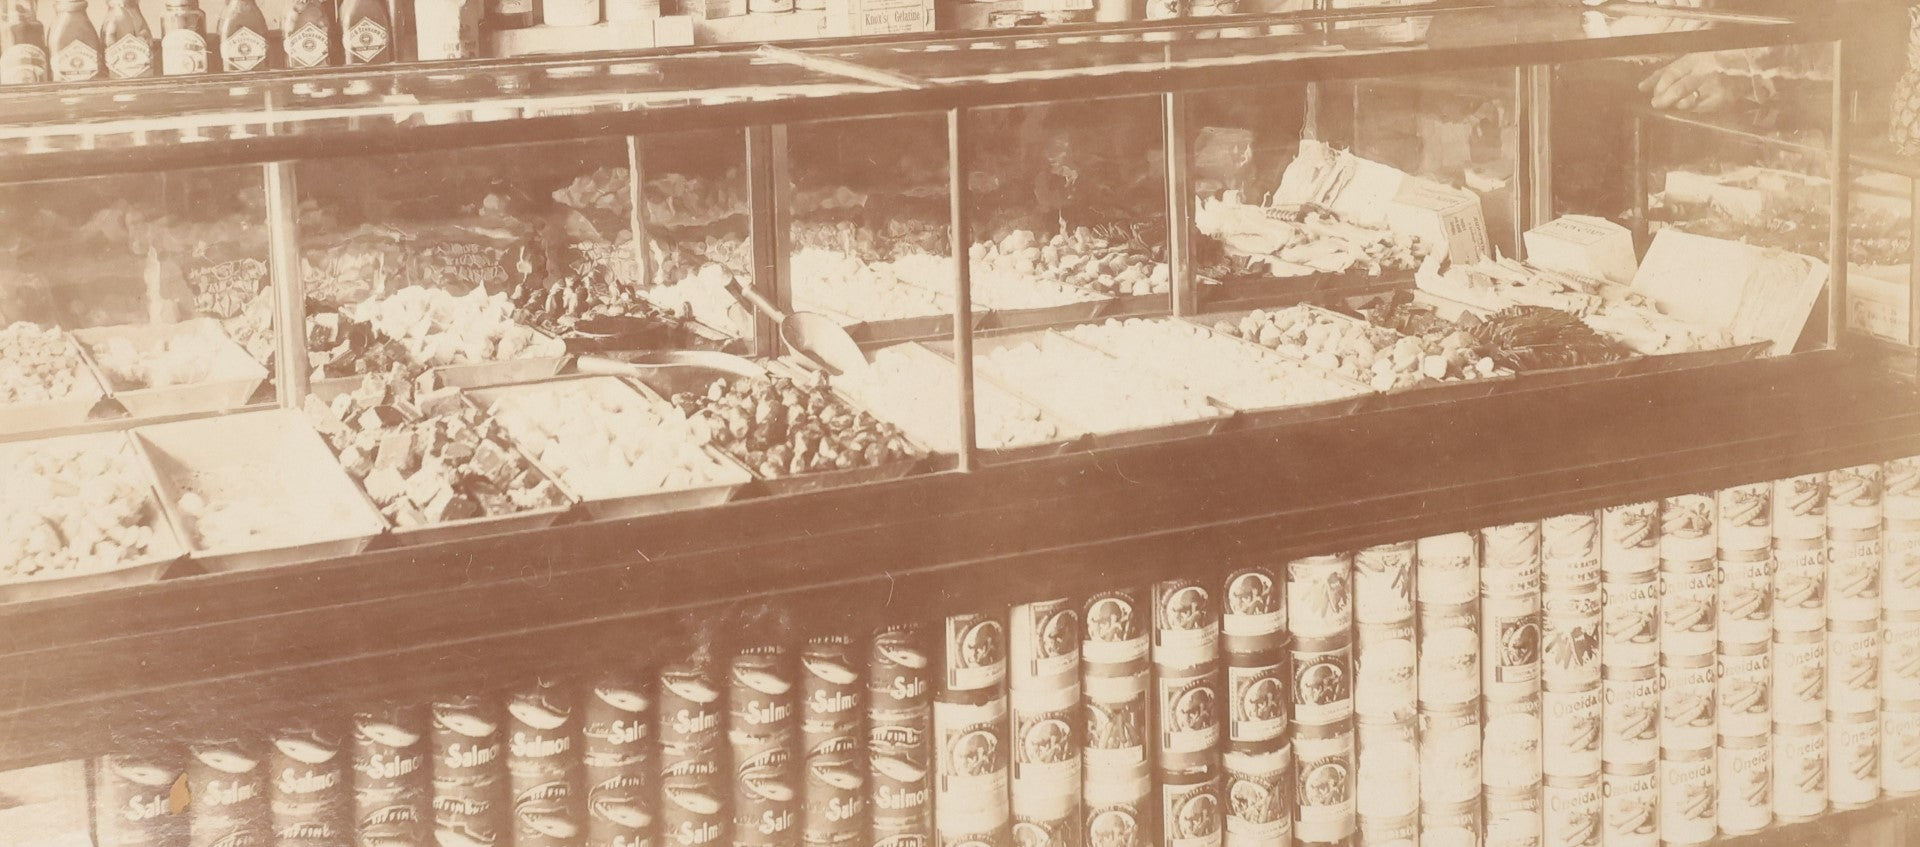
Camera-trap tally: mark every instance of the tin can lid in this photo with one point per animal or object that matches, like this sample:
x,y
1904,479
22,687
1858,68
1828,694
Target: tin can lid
x,y
1842,627
1669,755
1636,673
1609,768
1688,662
1744,649
1745,742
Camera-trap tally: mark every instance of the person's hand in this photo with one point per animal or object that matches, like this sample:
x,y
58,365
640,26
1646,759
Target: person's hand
x,y
1696,82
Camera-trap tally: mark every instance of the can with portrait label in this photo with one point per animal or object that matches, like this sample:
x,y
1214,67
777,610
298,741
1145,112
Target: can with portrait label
x,y
1118,809
1257,699
1186,625
1259,795
1253,617
1510,647
1324,785
970,800
1322,681
1191,811
976,654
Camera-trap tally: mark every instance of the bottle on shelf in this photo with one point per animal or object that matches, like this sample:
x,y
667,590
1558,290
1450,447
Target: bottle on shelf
x,y
366,32
75,43
447,29
515,14
183,39
306,33
127,41
570,12
23,46
243,37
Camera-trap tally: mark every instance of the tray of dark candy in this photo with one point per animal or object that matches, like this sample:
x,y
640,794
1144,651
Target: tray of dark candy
x,y
1543,346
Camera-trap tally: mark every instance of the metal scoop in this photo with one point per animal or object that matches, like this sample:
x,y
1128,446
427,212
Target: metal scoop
x,y
812,334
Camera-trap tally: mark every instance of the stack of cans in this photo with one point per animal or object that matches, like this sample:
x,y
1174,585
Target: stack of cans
x,y
1900,623
970,802
899,736
693,786
763,729
1745,705
1386,695
1570,679
1186,663
1320,611
1448,613
392,777
543,764
469,770
1511,768
1799,647
1853,635
133,798
1689,690
617,747
1259,753
226,779
309,792
1116,783
834,812
1043,684
1629,674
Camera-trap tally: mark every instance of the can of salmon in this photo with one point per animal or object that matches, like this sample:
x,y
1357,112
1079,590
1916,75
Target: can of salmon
x,y
1385,687
1630,539
1451,826
1383,584
1186,625
1118,810
543,765
1450,756
1630,716
1189,716
1320,596
1689,610
1191,814
1630,608
830,687
1571,737
898,685
1514,818
761,699
834,788
1900,565
1746,517
1257,702
766,797
1510,646
901,793
1388,774
1254,618
1689,691
1853,574
970,799
616,736
1799,677
690,708
1570,552
1853,666
1800,508
1686,529
1044,640
1116,633
1900,747
1449,569
1324,785
133,799
1510,752
1853,751
309,787
1746,596
1046,754
1746,784
1570,625
1449,655
470,799
1322,681
1571,811
1799,771
1900,656
227,781
1510,560
1689,796
1745,690
392,787
1630,794
1799,585
1259,797
1115,732
1853,497
1900,488
976,654
694,789
693,813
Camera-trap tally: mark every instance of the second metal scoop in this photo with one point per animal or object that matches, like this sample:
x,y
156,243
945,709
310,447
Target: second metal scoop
x,y
811,334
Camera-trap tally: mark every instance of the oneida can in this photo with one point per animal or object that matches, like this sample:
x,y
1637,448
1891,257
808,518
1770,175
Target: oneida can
x,y
1570,624
1450,756
1117,808
1686,528
1900,656
1320,596
1746,784
1043,641
1510,560
1799,585
617,752
1191,814
1259,794
309,790
1322,681
469,771
1186,625
1689,610
1630,539
1323,785
1689,690
1853,573
1800,508
1853,753
1630,795
1746,518
1853,667
1689,796
227,784
1258,702
1449,569
976,654
1510,752
1383,584
1253,620
1571,811
1384,685
1746,596
543,765
1799,677
1900,564
1513,818
1387,774
1745,690
1799,771
1570,552
132,799
1510,647
1853,498
1450,826
1900,747
1630,721
1571,737
1630,608
1449,655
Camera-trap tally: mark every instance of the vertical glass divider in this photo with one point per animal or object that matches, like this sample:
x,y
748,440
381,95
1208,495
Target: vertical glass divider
x,y
1537,105
767,206
289,284
961,244
1913,239
1839,175
1636,183
1185,294
637,213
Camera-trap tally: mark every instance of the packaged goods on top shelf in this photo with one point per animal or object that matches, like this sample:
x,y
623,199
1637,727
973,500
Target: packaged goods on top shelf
x,y
77,506
1238,373
778,427
915,388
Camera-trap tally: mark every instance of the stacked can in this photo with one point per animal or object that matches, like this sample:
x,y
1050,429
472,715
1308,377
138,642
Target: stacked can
x,y
227,784
1744,745
1854,609
1117,786
1386,695
1511,769
899,735
309,790
1259,753
133,804
1186,664
1570,700
1043,684
693,786
1448,612
970,802
617,746
1799,647
834,811
1320,611
1629,674
1689,687
1900,625
763,728
392,778
543,764
469,771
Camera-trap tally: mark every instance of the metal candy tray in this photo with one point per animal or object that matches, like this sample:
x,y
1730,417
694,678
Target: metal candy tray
x,y
945,439
232,377
44,415
167,545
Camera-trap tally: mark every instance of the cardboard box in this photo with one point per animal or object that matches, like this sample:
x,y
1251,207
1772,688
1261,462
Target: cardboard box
x,y
1754,292
878,17
1441,215
1584,245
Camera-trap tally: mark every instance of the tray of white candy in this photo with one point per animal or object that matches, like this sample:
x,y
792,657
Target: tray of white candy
x,y
917,390
257,490
44,380
79,513
470,340
618,447
437,467
1030,280
1119,403
1266,387
158,370
875,302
